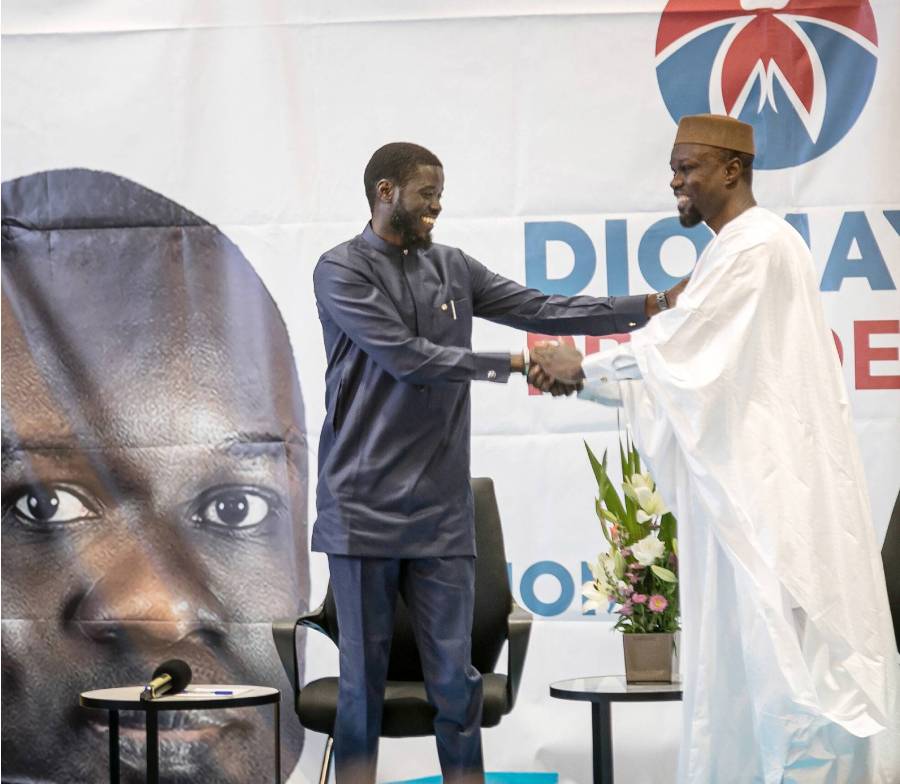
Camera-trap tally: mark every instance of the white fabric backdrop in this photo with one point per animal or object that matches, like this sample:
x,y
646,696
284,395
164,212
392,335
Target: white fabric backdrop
x,y
260,117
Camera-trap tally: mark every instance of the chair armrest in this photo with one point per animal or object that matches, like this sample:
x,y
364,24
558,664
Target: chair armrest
x,y
284,633
518,630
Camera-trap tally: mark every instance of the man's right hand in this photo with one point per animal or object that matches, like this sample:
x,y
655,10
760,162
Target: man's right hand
x,y
539,379
558,361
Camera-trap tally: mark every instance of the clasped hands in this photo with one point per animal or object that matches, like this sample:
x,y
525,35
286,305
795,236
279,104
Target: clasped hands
x,y
555,368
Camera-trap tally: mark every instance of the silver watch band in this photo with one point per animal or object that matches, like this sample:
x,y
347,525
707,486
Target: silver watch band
x,y
662,301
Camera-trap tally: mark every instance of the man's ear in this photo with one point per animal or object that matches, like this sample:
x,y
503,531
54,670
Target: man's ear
x,y
385,191
734,169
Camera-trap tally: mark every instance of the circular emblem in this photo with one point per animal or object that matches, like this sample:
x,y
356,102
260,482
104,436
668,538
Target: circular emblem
x,y
799,71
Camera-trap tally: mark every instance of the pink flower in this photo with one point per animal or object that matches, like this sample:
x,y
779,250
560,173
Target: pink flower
x,y
657,603
639,598
633,578
626,609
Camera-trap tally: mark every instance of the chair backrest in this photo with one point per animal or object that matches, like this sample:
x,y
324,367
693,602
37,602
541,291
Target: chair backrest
x,y
890,557
493,598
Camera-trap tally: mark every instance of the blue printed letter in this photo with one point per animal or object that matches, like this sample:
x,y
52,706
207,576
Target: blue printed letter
x,y
537,235
566,588
870,263
651,245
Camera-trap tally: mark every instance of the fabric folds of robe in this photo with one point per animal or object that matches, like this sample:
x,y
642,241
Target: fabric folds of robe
x,y
789,658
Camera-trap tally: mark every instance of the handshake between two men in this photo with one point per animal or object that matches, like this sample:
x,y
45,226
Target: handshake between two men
x,y
556,367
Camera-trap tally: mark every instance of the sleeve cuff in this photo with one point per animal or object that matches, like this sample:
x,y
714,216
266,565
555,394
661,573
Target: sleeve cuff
x,y
608,394
492,367
598,368
631,312
608,366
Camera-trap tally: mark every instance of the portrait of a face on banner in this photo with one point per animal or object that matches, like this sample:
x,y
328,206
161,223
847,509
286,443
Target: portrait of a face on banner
x,y
154,475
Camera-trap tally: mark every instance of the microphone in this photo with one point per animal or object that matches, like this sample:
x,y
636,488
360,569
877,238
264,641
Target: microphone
x,y
170,677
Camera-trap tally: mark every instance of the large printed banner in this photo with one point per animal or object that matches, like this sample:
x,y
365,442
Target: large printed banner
x,y
172,172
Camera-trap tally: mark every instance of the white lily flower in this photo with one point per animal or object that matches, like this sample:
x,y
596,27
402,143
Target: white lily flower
x,y
601,577
642,480
607,562
650,501
648,550
596,599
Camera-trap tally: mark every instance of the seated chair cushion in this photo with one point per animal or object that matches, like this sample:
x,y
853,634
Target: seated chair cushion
x,y
406,709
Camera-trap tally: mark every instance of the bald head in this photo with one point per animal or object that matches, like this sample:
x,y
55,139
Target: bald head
x,y
133,320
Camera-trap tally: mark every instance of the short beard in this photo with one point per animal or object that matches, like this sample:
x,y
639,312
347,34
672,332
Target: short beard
x,y
405,224
690,218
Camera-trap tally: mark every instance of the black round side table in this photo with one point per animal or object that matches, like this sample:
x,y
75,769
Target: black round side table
x,y
600,691
205,697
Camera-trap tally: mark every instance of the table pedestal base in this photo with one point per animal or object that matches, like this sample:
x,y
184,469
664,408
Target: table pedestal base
x,y
601,727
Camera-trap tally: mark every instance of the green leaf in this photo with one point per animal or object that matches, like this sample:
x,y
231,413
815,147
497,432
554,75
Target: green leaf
x,y
619,564
608,495
664,574
624,461
598,468
607,515
614,503
602,513
629,517
667,530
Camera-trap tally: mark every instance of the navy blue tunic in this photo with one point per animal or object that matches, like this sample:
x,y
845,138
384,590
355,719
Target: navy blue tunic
x,y
394,450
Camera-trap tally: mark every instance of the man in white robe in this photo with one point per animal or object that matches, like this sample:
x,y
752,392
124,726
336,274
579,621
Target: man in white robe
x,y
737,403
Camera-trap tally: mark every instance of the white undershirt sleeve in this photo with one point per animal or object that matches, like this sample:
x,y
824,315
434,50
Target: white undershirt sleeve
x,y
604,370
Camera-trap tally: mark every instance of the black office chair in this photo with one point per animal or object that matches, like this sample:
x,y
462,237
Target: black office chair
x,y
890,557
407,713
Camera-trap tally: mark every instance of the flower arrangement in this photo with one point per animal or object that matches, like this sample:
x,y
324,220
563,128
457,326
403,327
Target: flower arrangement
x,y
639,573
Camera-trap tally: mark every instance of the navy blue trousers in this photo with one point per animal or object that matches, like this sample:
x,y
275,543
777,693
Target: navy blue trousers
x,y
440,594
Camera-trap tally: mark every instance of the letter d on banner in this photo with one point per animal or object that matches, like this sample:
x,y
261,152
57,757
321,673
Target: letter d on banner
x,y
537,235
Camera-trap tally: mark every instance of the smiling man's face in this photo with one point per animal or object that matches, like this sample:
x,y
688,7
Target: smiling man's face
x,y
417,206
154,496
698,173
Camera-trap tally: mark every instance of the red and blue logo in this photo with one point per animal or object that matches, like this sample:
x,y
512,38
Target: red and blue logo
x,y
799,71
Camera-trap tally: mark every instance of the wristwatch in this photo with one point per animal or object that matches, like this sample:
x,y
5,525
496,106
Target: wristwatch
x,y
662,301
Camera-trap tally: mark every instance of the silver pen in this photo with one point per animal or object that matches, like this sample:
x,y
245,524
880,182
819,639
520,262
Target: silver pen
x,y
453,308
